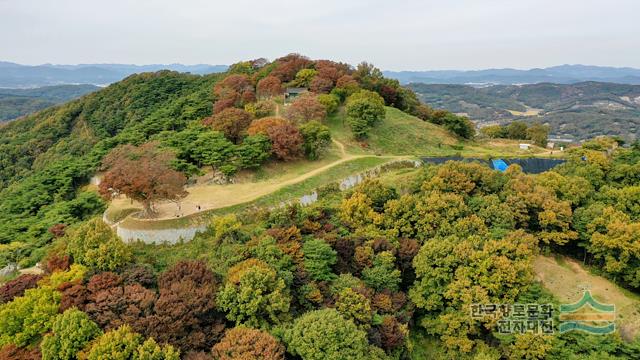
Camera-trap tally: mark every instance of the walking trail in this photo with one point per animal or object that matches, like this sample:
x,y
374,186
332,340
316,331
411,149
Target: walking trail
x,y
206,196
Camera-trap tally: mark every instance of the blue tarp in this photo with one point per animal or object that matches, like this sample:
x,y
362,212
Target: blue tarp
x,y
528,165
499,164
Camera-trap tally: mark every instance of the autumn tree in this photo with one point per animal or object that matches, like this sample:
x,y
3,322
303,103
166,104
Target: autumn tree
x,y
613,243
269,86
151,350
517,130
245,343
261,126
305,108
383,274
347,83
330,102
231,122
261,109
494,131
456,271
143,173
355,306
233,91
254,295
286,141
16,287
304,77
320,85
121,304
538,133
331,70
392,333
185,312
316,138
95,245
116,344
288,66
71,332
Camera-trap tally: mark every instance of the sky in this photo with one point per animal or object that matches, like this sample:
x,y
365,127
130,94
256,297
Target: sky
x,y
393,35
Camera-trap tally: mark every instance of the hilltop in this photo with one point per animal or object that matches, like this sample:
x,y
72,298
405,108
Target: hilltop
x,y
49,157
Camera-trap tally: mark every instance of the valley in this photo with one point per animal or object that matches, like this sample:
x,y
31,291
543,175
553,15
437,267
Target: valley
x,y
575,111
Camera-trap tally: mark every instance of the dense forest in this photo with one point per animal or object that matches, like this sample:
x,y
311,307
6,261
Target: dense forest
x,y
578,111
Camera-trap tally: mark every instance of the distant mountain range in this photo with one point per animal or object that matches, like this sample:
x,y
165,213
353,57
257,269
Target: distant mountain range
x,y
574,111
564,74
25,76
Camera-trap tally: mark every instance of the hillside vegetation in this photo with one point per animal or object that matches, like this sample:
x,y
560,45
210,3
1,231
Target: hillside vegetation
x,y
188,123
579,111
390,269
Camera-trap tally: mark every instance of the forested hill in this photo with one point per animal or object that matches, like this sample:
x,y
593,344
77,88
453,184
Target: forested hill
x,y
579,111
45,158
18,102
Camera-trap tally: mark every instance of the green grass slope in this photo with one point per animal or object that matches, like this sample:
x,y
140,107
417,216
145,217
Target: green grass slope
x,y
398,134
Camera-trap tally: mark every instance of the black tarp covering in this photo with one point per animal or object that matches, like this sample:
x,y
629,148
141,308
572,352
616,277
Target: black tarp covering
x,y
528,165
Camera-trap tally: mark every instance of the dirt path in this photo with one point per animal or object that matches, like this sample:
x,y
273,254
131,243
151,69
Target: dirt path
x,y
340,145
207,197
566,279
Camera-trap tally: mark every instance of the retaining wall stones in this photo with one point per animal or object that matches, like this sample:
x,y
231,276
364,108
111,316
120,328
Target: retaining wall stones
x,y
160,236
173,236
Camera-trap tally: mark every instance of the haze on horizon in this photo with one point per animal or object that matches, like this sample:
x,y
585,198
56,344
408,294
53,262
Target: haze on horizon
x,y
400,35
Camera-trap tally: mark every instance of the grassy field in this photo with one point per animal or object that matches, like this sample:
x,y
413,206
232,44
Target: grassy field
x,y
398,134
565,279
402,134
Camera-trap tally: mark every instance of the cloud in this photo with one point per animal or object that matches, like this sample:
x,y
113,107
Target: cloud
x,y
405,34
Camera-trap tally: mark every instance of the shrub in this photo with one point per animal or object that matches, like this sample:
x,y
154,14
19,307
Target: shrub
x,y
27,317
18,286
